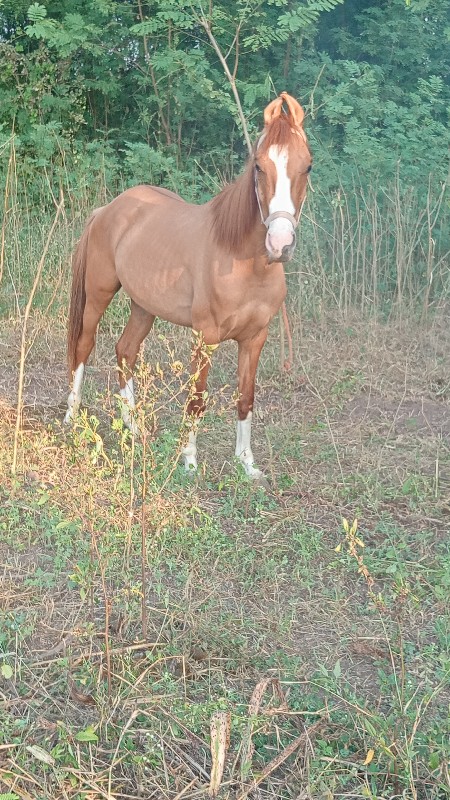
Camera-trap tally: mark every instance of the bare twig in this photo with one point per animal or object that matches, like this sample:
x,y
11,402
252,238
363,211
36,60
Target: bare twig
x,y
230,75
162,116
24,332
303,739
10,171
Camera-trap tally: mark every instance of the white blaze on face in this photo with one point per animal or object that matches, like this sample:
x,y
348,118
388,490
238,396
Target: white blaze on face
x,y
281,230
282,200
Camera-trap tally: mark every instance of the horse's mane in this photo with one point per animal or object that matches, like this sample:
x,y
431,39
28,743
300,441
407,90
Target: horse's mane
x,y
234,210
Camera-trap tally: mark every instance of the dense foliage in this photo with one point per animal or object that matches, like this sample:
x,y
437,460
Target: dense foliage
x,y
109,92
141,81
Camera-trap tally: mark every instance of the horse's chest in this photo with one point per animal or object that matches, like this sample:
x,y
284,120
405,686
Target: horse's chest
x,y
240,309
254,311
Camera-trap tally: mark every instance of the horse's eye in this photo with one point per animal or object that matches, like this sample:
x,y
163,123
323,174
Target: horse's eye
x,y
309,169
258,169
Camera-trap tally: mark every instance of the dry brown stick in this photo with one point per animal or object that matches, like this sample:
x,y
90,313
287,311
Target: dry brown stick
x,y
11,784
107,602
24,331
248,747
162,116
115,758
230,76
281,757
13,774
129,648
186,789
54,651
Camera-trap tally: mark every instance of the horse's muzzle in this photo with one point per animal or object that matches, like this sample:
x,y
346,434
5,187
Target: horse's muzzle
x,y
280,245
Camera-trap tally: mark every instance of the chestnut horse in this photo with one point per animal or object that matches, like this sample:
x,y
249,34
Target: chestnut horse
x,y
217,268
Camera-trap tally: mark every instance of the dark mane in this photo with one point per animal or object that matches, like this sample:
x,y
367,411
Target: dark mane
x,y
235,208
234,211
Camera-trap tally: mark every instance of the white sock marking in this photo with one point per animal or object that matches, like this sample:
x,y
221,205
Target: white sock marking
x,y
189,452
74,399
128,393
243,447
128,405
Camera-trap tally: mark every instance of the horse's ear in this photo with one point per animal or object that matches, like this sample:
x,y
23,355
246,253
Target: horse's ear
x,y
273,110
295,110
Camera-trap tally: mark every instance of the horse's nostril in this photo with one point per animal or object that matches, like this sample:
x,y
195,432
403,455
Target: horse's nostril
x,y
288,249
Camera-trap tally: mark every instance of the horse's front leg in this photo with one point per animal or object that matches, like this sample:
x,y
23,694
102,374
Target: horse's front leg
x,y
200,364
248,358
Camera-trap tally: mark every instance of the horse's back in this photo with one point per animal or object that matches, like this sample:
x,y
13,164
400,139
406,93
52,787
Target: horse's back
x,y
130,213
151,194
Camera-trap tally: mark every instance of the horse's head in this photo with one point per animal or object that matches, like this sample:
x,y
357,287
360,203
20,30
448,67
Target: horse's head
x,y
282,161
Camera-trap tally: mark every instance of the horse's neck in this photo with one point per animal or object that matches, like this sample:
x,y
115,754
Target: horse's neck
x,y
235,218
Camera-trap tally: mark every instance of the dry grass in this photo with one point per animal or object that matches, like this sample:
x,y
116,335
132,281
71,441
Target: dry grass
x,y
240,583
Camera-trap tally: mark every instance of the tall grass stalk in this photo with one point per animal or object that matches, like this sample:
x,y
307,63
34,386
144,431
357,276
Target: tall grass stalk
x,y
9,191
24,332
371,250
374,251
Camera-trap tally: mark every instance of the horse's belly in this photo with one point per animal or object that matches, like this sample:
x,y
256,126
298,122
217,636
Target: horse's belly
x,y
167,294
152,264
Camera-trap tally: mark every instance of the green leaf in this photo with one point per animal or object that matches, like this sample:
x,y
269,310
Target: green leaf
x,y
36,12
43,499
65,523
337,672
88,735
6,671
434,760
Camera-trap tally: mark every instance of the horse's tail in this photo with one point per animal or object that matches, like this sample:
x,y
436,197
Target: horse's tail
x,y
77,297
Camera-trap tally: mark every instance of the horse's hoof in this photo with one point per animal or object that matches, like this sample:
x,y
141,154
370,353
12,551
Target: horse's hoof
x,y
134,430
69,416
254,474
190,465
263,483
191,474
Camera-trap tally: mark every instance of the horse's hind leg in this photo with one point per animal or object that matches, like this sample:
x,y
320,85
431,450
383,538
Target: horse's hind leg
x,y
200,365
94,308
127,349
